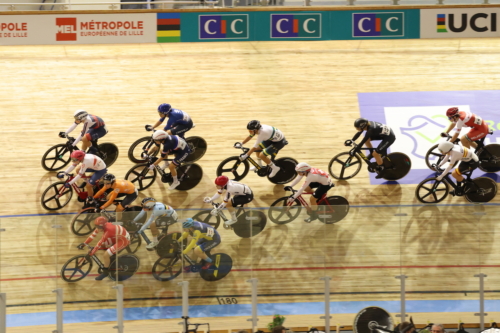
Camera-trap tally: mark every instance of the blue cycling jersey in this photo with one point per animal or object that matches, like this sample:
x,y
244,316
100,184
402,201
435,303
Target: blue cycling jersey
x,y
176,117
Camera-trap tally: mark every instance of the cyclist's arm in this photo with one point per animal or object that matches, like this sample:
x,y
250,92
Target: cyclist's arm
x,y
192,244
453,159
299,192
100,192
79,175
70,168
140,215
296,181
71,128
98,245
216,195
112,198
158,123
248,138
92,236
184,235
356,136
368,134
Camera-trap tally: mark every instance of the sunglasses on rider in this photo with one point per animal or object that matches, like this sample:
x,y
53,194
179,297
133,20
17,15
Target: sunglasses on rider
x,y
75,160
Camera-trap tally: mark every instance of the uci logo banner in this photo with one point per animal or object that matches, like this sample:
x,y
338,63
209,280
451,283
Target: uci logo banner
x,y
296,25
390,24
459,22
227,26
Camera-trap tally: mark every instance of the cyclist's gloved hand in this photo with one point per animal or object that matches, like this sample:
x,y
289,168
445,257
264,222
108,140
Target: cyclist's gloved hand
x,y
288,188
148,128
348,143
290,200
61,174
243,157
237,145
67,185
81,246
207,199
444,135
62,134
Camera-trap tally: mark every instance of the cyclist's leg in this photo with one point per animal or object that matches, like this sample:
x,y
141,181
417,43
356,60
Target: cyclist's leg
x,y
474,134
126,202
178,159
269,150
91,137
180,130
204,247
314,198
93,180
382,147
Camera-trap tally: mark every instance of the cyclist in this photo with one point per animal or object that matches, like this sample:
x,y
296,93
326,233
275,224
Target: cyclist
x,y
479,128
89,163
270,141
179,122
242,194
120,188
205,238
469,162
172,144
93,129
155,210
115,239
315,179
374,131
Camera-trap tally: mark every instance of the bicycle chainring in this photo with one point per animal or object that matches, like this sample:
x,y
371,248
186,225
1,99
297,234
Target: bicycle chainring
x,y
264,171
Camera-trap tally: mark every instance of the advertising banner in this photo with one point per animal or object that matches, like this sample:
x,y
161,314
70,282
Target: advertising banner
x,y
216,27
459,22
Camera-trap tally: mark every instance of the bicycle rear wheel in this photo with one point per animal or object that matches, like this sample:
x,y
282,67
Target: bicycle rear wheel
x,y
56,196
281,213
56,158
198,147
190,175
397,165
141,176
335,212
206,217
83,222
485,190
136,149
76,268
127,265
250,223
233,168
108,152
287,171
431,190
490,158
344,166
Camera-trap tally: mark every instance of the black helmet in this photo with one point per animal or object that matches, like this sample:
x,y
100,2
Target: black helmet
x,y
254,125
360,123
109,178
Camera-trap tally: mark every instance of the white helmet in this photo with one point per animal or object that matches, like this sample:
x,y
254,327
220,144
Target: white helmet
x,y
80,114
160,136
302,167
445,147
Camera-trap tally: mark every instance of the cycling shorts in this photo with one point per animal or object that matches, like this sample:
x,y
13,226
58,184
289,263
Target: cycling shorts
x,y
271,148
119,245
95,133
241,199
467,166
180,129
385,143
320,190
181,155
477,133
207,245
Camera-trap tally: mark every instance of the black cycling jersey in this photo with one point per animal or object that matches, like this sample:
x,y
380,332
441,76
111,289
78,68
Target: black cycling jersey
x,y
375,131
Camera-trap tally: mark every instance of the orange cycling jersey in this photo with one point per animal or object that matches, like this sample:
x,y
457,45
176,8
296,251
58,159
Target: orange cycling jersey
x,y
119,186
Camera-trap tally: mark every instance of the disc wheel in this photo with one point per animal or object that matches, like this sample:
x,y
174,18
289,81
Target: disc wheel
x,y
189,175
337,209
141,176
83,222
431,191
490,158
126,267
233,168
287,171
56,196
76,268
344,166
56,158
136,149
206,217
373,314
397,165
485,190
108,152
198,147
220,268
250,223
281,213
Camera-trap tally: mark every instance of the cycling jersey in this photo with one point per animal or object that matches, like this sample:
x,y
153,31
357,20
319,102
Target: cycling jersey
x,y
113,235
375,131
176,117
119,187
314,176
233,188
90,162
268,133
468,119
458,153
175,143
202,232
90,122
158,210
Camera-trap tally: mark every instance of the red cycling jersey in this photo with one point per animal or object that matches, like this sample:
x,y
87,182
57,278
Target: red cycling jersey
x,y
114,239
479,127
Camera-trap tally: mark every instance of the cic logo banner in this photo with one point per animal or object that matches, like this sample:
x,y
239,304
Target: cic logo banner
x,y
296,25
390,24
227,26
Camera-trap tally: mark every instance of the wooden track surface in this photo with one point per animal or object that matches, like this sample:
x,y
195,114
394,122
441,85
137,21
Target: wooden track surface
x,y
309,91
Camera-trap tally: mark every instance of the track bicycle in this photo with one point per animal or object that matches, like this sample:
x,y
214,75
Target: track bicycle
x,y
477,190
489,155
330,210
188,174
58,156
197,144
235,169
344,166
78,267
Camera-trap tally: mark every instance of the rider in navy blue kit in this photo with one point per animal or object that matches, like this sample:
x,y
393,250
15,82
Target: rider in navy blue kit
x,y
172,144
179,122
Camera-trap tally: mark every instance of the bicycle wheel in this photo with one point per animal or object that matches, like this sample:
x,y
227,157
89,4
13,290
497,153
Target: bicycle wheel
x,y
127,265
135,243
334,212
344,166
287,172
198,147
221,266
206,217
190,175
83,222
141,176
250,224
76,268
56,196
431,191
136,149
484,191
490,158
108,152
168,245
397,165
281,213
56,158
166,269
233,168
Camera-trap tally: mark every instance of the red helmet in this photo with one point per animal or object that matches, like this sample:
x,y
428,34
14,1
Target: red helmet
x,y
451,112
221,181
100,221
78,155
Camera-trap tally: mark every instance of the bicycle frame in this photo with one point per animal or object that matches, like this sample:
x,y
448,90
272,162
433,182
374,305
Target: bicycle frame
x,y
365,158
251,160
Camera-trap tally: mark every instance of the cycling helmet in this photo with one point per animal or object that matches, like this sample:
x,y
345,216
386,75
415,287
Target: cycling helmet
x,y
254,125
221,180
451,112
148,203
160,136
445,147
80,114
360,123
165,108
78,155
100,221
188,223
302,167
108,178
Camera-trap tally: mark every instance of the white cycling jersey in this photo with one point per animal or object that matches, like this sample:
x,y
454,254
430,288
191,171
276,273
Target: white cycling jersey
x,y
314,176
89,162
457,153
266,133
233,188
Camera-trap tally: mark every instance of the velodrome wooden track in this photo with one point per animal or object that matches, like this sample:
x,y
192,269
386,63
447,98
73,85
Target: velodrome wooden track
x,y
308,90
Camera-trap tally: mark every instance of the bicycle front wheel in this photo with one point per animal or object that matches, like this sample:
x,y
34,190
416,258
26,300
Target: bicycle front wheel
x,y
56,158
56,196
335,211
490,158
109,153
206,217
136,149
485,190
83,222
141,176
233,168
76,268
431,191
344,166
281,213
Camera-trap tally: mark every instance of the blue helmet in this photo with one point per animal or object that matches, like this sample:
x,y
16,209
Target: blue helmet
x,y
188,223
165,108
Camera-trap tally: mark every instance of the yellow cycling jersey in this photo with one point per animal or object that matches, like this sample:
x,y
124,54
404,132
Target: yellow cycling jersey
x,y
202,231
